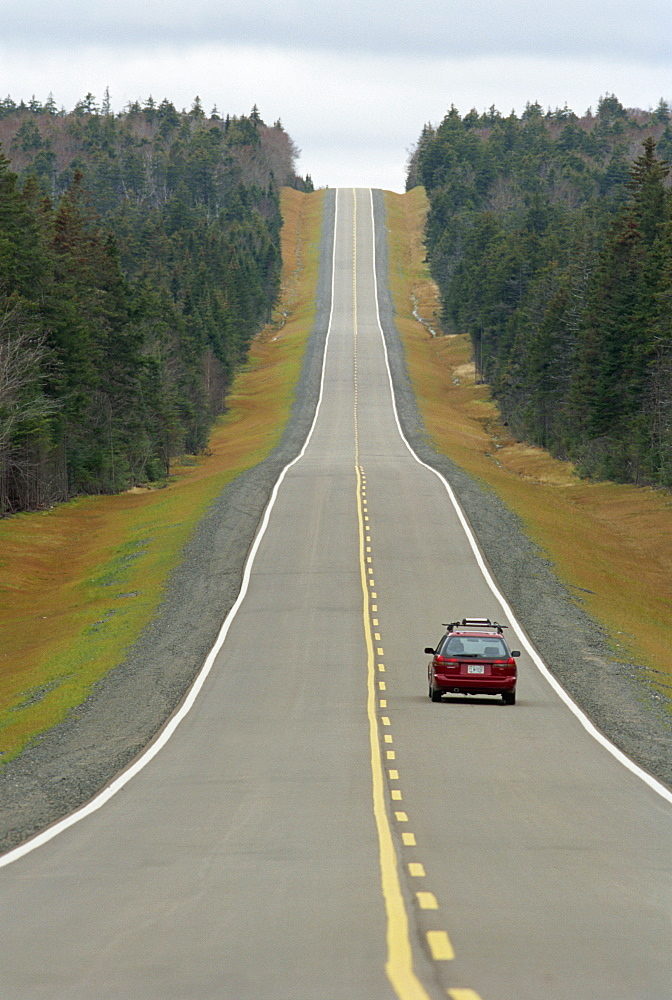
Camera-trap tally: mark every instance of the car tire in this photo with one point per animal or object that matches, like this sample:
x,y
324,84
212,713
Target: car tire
x,y
433,693
509,697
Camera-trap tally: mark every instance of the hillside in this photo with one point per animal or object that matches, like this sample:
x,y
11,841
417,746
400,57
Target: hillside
x,y
140,253
550,237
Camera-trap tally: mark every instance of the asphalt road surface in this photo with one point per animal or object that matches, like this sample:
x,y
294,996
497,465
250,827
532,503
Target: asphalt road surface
x,y
316,828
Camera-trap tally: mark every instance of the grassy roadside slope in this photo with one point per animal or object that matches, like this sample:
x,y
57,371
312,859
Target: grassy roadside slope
x,y
79,583
610,544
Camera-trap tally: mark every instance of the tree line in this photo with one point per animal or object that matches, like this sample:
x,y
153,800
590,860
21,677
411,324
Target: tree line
x,y
550,237
139,255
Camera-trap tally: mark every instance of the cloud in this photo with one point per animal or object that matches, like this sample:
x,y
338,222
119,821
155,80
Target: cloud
x,y
589,28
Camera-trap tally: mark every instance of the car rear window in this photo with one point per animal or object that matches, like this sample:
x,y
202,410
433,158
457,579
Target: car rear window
x,y
486,647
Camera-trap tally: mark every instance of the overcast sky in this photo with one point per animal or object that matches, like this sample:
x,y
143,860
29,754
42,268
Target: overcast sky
x,y
354,83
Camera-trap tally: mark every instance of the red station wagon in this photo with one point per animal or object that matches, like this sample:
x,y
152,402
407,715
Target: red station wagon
x,y
473,658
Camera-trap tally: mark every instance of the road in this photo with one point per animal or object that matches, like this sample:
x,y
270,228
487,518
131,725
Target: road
x,y
316,828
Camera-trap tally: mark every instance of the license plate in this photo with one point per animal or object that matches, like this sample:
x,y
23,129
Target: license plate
x,y
475,668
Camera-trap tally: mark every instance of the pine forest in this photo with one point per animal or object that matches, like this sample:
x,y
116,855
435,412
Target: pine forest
x,y
139,255
550,238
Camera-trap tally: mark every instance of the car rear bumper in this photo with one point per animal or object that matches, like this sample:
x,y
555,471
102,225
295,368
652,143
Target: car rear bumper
x,y
461,684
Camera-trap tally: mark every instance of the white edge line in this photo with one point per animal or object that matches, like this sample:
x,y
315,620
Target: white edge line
x,y
165,734
590,728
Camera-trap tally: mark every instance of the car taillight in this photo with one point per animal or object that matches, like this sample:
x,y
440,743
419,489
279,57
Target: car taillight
x,y
443,663
506,667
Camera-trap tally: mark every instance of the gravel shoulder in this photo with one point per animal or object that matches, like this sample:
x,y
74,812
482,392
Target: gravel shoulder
x,y
73,761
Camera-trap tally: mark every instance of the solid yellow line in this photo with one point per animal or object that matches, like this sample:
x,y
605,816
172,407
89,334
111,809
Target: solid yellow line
x,y
463,995
399,965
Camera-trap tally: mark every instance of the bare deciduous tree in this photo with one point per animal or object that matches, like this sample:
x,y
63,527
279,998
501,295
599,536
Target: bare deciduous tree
x,y
23,354
24,359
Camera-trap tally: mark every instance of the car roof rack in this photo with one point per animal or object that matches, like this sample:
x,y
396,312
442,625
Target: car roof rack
x,y
483,624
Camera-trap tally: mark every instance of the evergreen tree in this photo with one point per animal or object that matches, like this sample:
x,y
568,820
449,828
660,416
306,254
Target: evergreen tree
x,y
142,286
552,247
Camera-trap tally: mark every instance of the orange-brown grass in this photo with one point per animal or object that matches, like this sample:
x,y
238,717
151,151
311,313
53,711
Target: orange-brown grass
x,y
78,583
612,544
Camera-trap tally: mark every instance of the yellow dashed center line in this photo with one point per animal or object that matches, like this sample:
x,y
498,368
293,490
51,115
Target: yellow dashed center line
x,y
441,950
399,965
